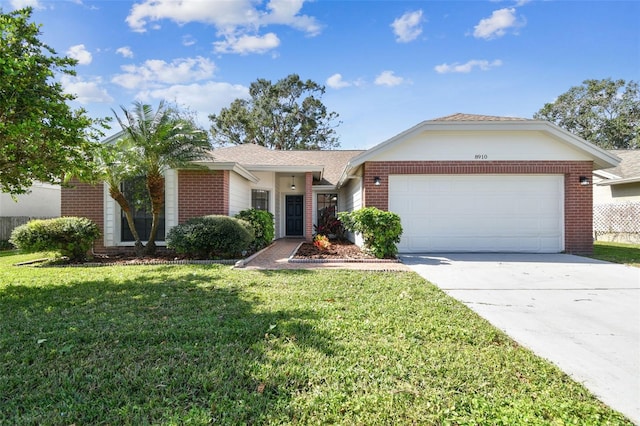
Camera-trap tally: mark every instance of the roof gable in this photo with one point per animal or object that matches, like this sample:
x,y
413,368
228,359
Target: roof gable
x,y
489,129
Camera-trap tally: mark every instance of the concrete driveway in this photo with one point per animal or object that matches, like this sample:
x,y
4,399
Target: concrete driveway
x,y
581,314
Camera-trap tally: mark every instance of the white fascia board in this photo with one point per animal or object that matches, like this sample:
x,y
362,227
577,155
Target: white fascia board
x,y
287,169
613,182
602,159
114,138
349,172
324,188
233,167
605,175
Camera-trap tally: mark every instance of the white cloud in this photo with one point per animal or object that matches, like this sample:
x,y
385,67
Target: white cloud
x,y
336,82
125,51
188,40
238,22
467,67
388,78
80,53
86,91
207,98
21,4
408,27
155,72
247,44
497,24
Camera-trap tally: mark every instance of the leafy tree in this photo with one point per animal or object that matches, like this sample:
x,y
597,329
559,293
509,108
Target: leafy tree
x,y
286,115
155,141
41,137
604,112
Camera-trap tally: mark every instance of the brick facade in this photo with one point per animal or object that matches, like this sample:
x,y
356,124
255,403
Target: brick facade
x,y
85,200
202,192
578,199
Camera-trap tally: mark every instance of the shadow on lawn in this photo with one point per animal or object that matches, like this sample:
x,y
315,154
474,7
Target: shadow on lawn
x,y
158,348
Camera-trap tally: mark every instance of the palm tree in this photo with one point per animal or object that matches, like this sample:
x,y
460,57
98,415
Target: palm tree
x,y
114,166
166,138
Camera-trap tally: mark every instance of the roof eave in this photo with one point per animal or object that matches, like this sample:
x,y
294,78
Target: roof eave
x,y
602,159
235,167
614,182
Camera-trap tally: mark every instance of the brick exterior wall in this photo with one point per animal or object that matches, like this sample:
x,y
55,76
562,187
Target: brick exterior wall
x,y
84,200
202,192
578,199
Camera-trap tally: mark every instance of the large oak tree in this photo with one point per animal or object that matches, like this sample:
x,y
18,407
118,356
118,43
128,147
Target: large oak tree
x,y
604,112
41,137
286,115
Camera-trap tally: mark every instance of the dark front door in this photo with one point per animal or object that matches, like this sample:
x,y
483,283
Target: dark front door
x,y
294,214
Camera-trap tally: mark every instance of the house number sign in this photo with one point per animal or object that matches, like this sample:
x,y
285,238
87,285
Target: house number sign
x,y
481,156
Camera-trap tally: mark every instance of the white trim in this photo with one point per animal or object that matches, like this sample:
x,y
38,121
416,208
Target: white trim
x,y
602,159
235,167
619,181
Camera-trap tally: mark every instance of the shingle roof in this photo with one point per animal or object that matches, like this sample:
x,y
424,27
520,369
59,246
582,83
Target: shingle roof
x,y
629,167
252,156
476,117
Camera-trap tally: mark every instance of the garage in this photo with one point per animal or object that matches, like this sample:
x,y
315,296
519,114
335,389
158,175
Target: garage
x,y
479,212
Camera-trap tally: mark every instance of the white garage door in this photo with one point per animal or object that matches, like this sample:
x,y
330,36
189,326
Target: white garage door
x,y
479,213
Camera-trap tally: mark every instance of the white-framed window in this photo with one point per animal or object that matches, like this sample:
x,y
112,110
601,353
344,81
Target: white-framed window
x,y
260,199
135,192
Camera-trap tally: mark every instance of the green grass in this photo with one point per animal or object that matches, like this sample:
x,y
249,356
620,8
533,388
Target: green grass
x,y
628,254
198,344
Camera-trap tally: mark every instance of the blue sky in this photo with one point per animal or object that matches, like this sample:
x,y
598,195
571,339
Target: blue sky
x,y
386,65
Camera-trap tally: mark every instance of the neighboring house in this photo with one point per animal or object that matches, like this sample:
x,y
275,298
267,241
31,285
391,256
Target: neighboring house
x,y
43,201
459,183
616,199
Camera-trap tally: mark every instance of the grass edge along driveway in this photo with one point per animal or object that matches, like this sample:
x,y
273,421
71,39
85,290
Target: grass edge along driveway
x,y
208,344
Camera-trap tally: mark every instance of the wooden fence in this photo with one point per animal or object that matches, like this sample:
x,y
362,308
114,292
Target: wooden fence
x,y
8,223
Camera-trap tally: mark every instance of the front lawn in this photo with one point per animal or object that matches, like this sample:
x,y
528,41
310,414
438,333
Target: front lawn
x,y
628,254
198,344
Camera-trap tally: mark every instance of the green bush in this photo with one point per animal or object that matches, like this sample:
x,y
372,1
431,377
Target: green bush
x,y
381,230
6,245
72,236
262,223
219,237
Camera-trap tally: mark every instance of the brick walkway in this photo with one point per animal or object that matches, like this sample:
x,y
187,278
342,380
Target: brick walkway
x,y
276,256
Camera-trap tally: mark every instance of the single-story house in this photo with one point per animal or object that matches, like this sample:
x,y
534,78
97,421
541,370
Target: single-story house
x,y
42,201
459,183
620,183
616,199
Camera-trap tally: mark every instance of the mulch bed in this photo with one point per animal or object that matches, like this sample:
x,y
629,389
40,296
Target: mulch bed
x,y
337,250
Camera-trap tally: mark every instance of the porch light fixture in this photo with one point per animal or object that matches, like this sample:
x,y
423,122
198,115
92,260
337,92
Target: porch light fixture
x,y
584,181
293,184
376,181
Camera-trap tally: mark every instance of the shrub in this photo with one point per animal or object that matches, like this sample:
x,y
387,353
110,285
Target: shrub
x,y
381,230
262,223
321,241
72,236
211,237
328,224
6,245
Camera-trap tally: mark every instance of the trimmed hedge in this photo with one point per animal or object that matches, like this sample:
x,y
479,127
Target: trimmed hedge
x,y
381,230
262,223
72,236
212,237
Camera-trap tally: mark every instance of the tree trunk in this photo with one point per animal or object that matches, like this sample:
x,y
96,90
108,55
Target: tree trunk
x,y
155,185
126,208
